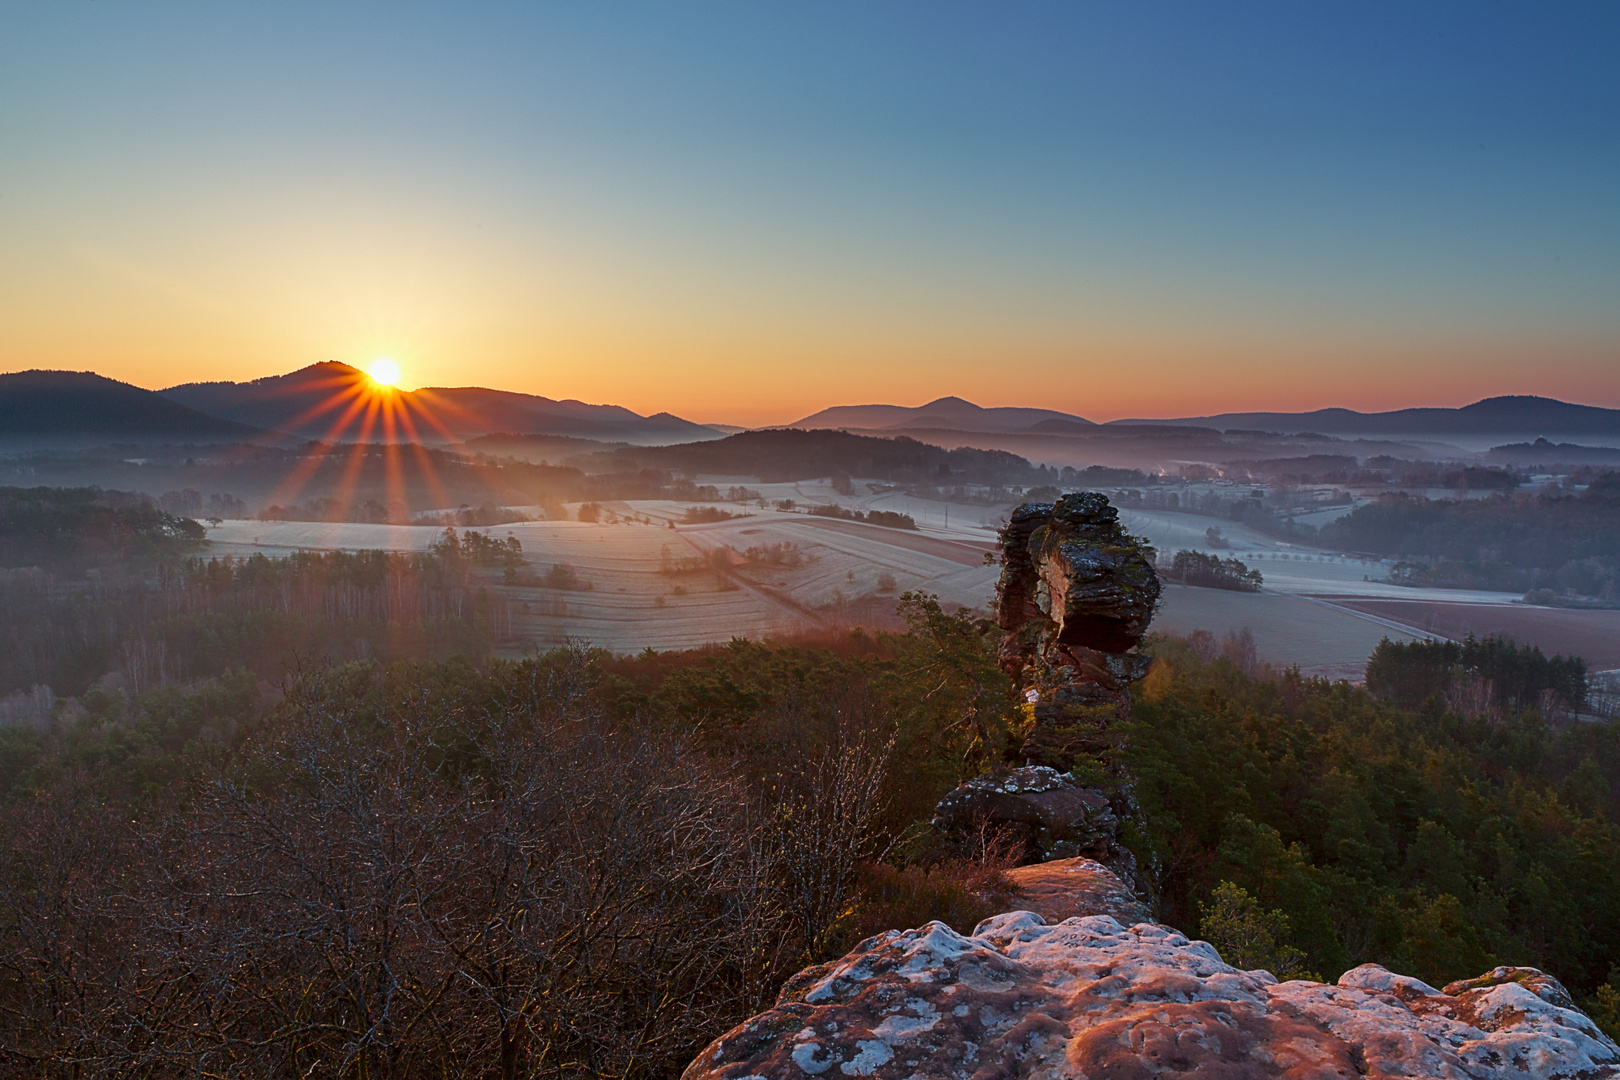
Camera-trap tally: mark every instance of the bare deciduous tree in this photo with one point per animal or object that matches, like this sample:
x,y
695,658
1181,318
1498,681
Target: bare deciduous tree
x,y
430,887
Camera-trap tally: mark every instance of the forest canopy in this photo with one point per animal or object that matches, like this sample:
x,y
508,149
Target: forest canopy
x,y
386,817
1570,544
71,530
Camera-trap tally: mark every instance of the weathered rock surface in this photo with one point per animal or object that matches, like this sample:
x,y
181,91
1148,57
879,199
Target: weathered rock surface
x,y
1091,998
1076,594
1072,578
1074,888
1051,814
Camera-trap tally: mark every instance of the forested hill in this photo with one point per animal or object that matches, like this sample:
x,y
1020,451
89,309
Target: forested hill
x,y
782,455
1525,414
74,408
1515,542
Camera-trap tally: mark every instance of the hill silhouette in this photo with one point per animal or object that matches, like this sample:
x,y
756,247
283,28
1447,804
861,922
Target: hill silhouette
x,y
780,455
952,413
65,409
301,403
1517,414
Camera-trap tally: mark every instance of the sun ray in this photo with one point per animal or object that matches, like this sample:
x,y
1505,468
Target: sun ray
x,y
324,448
430,472
393,471
353,389
490,476
368,408
431,401
344,495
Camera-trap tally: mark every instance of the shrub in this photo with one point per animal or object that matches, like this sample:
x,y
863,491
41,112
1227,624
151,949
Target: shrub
x,y
1249,937
887,518
960,895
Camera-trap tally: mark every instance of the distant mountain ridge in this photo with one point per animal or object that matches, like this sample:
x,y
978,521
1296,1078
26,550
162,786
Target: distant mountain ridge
x,y
62,409
953,412
330,400
1508,414
299,403
1523,413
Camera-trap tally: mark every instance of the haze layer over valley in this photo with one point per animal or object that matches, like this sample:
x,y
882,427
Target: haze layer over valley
x,y
696,542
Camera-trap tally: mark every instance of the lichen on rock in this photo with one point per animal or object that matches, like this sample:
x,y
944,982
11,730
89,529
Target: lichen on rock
x,y
1091,998
1051,815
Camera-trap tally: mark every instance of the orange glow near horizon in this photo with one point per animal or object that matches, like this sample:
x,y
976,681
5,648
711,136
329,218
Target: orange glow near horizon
x,y
751,377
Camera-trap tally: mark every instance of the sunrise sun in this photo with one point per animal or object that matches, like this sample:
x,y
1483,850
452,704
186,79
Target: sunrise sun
x,y
384,372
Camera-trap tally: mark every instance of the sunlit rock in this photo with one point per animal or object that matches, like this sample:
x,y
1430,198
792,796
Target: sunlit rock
x,y
1070,888
1093,999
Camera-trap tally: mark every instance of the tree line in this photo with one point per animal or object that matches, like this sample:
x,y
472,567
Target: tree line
x,y
1569,544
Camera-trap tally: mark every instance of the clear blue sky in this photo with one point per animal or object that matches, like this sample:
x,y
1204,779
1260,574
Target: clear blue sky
x,y
750,211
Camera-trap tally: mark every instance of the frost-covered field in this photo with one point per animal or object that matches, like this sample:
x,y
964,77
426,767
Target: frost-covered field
x,y
641,596
1320,638
1309,613
1323,610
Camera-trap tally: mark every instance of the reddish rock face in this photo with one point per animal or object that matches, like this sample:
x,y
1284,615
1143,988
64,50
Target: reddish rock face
x,y
1075,596
1074,888
1072,576
1091,998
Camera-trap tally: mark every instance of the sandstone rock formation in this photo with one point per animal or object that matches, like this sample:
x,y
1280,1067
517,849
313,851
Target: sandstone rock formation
x,y
1075,575
1073,888
1091,998
1075,596
1045,810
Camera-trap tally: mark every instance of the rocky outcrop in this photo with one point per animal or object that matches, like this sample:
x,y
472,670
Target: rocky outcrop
x,y
1074,888
1092,998
1071,565
1045,810
1076,594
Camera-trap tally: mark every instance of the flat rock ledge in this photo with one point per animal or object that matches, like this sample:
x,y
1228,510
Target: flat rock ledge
x,y
1089,997
1071,888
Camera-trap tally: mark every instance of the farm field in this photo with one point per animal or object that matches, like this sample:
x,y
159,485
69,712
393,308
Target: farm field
x,y
653,582
1593,635
1290,567
665,587
1321,639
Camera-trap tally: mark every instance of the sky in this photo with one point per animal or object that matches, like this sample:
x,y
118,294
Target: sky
x,y
745,212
